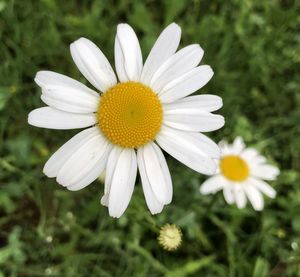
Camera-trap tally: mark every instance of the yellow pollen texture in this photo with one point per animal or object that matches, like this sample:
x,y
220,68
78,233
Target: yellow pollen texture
x,y
130,114
170,237
234,168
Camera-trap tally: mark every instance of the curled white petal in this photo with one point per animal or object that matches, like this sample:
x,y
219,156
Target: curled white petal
x,y
93,64
157,172
111,165
81,167
66,94
122,184
128,55
57,160
153,204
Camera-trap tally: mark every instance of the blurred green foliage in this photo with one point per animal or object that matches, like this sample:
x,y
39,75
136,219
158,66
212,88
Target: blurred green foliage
x,y
45,230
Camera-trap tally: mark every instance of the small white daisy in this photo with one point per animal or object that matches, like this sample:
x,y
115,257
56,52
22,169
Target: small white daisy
x,y
130,118
240,174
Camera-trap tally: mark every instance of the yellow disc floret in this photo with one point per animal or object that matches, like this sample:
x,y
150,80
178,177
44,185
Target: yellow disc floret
x,y
130,114
234,168
169,237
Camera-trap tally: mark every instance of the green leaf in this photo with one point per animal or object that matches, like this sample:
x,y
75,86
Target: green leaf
x,y
261,268
191,267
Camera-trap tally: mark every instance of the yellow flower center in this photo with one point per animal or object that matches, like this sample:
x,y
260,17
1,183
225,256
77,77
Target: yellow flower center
x,y
170,237
234,168
130,114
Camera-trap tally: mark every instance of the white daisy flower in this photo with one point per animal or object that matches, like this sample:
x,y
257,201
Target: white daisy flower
x,y
240,174
147,107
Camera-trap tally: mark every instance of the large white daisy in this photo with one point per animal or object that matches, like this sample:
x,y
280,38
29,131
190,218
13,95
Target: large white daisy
x,y
240,175
145,107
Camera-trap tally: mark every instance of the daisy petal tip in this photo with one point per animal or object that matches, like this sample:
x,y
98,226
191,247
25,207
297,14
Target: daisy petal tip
x,y
199,49
104,201
114,214
168,199
222,121
70,188
202,191
78,41
30,118
38,77
259,209
123,26
74,46
155,212
37,81
219,102
48,172
210,71
175,26
272,193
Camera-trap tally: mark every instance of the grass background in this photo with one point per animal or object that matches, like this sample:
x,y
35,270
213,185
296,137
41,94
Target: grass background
x,y
45,230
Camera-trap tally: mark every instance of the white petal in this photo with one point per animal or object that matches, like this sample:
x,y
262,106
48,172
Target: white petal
x,y
93,170
192,149
111,165
186,84
238,145
254,197
194,104
164,47
263,187
257,162
239,195
49,79
104,200
66,94
249,154
213,184
120,62
157,172
92,63
259,159
128,55
201,121
122,184
225,148
57,160
265,171
153,204
80,167
228,194
47,117
178,64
